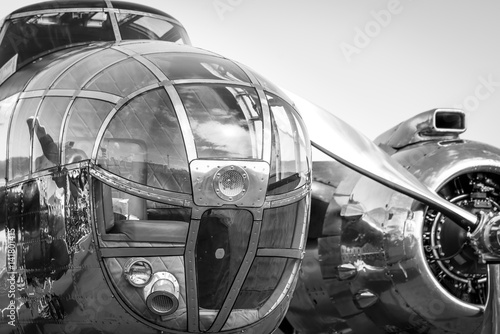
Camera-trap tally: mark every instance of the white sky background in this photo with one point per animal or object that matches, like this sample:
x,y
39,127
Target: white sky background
x,y
425,54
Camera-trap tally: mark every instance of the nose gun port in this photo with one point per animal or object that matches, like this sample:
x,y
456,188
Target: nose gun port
x,y
162,294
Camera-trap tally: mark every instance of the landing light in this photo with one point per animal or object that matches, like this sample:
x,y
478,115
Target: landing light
x,y
138,272
231,183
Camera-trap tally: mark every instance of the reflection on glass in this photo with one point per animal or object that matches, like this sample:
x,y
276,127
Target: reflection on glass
x,y
261,282
226,120
86,117
32,35
132,218
196,66
133,26
81,72
20,139
222,242
47,128
278,225
144,143
122,78
49,74
290,148
6,109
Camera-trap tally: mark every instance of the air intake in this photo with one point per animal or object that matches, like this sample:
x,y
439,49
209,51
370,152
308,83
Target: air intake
x,y
449,121
162,294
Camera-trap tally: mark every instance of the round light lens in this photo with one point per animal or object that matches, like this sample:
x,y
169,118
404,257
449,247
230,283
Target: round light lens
x,y
138,272
231,183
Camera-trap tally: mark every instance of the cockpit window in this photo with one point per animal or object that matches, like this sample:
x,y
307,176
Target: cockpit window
x,y
133,26
196,66
226,120
290,155
30,36
143,143
27,37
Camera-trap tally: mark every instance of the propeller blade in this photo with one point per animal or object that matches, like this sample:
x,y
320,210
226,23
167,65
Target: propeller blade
x,y
342,142
491,320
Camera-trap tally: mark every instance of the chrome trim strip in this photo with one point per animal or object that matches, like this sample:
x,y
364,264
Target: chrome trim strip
x,y
91,94
32,139
102,69
151,67
96,10
239,280
32,94
267,135
277,252
155,16
300,236
193,314
183,119
284,286
287,198
144,252
154,194
114,24
62,152
60,92
57,10
7,139
113,112
88,94
123,50
211,81
56,79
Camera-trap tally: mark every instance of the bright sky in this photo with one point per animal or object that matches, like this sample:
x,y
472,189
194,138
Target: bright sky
x,y
373,63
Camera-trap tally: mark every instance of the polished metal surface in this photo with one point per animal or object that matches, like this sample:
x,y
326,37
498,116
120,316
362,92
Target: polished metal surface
x,y
110,175
418,270
205,174
354,150
432,125
491,323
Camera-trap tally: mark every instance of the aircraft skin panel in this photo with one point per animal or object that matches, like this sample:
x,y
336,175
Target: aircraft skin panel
x,y
374,268
147,186
108,163
49,220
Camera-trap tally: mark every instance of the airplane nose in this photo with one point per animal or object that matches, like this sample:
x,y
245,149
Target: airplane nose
x,y
195,174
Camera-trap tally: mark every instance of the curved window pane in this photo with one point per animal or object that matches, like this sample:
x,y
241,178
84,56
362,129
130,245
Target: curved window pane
x,y
133,26
123,78
196,66
87,68
261,282
126,217
144,143
6,109
47,128
221,246
20,138
226,121
33,35
290,158
86,117
47,77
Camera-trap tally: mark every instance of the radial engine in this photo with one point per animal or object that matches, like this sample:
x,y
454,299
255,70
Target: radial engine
x,y
378,261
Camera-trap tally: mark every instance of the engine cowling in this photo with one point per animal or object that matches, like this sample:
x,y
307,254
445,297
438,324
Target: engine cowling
x,y
379,261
